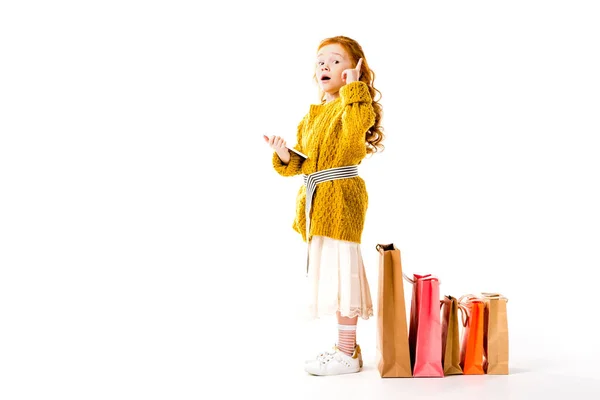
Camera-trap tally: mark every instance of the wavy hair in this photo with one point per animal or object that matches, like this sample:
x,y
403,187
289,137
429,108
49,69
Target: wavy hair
x,y
374,135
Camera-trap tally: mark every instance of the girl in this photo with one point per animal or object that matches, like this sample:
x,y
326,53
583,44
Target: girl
x,y
335,135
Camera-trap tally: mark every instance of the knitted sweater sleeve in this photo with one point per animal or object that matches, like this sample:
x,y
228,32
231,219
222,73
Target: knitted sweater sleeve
x,y
294,167
358,116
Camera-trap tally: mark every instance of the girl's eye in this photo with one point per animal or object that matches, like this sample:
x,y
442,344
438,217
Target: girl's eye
x,y
336,61
320,62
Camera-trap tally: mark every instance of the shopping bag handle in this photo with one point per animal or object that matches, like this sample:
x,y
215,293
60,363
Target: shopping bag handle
x,y
484,295
463,302
468,298
383,247
427,277
464,311
498,296
380,247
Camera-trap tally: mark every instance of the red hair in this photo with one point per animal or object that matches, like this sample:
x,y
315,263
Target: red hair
x,y
374,135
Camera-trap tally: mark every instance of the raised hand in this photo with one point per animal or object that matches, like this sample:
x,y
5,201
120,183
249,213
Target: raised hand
x,y
352,74
277,143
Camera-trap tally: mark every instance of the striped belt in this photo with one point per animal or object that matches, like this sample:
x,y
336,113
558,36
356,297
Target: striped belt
x,y
311,181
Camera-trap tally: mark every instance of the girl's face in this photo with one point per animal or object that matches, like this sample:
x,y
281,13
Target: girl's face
x,y
332,60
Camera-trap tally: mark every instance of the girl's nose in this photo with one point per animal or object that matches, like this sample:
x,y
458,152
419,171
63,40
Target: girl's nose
x,y
324,67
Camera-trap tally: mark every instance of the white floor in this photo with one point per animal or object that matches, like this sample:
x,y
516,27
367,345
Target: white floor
x,y
523,383
227,327
278,373
553,348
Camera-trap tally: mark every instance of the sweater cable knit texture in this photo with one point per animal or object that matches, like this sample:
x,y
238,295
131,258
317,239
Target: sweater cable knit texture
x,y
333,135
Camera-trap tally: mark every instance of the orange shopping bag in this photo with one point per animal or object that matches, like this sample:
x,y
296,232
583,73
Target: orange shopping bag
x,y
471,350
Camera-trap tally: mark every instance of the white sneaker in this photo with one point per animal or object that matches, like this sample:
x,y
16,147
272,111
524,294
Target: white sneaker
x,y
322,354
335,348
336,363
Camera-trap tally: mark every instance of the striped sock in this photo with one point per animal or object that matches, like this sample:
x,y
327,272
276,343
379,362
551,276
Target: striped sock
x,y
346,338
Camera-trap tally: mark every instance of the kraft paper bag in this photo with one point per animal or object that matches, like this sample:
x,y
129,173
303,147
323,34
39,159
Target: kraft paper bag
x,y
471,350
425,331
393,356
451,335
495,334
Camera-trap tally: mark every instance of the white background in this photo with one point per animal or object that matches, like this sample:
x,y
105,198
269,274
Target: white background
x,y
146,248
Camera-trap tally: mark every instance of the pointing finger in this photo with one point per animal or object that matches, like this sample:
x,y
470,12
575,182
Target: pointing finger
x,y
358,65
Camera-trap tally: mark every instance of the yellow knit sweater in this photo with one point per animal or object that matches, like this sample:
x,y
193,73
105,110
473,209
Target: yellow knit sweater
x,y
333,135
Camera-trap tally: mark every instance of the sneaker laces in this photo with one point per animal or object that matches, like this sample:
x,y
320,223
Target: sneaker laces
x,y
328,357
325,354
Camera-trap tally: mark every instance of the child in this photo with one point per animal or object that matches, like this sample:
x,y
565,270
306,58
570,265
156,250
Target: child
x,y
331,206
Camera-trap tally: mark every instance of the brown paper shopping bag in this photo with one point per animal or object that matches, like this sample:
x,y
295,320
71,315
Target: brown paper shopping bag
x,y
451,335
393,355
495,334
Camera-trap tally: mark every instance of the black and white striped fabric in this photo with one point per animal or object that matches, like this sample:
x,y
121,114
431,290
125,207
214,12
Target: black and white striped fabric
x,y
311,181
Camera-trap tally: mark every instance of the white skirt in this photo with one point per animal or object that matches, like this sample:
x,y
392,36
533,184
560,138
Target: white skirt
x,y
337,279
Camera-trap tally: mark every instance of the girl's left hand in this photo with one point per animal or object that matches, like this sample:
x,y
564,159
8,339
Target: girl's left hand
x,y
352,74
